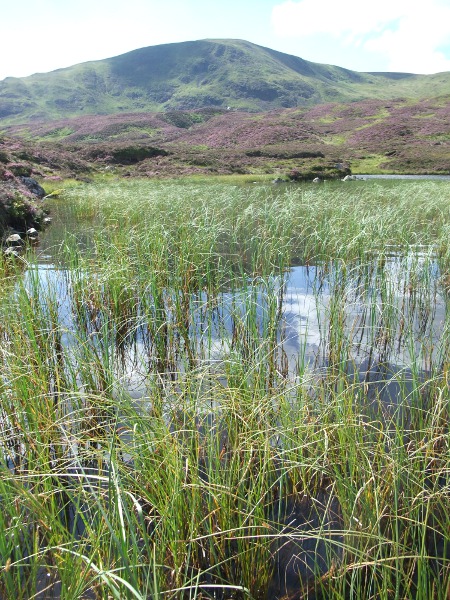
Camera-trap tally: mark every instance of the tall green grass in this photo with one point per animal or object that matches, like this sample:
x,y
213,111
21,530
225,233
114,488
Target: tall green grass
x,y
157,440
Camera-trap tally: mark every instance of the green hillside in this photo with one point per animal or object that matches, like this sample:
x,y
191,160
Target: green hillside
x,y
199,74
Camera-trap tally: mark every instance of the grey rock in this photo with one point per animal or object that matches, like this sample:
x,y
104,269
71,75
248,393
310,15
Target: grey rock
x,y
14,240
33,186
10,252
32,232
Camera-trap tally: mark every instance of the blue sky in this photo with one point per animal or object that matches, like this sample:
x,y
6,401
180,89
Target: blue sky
x,y
386,35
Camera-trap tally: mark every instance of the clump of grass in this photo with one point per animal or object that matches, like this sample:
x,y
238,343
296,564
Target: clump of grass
x,y
156,438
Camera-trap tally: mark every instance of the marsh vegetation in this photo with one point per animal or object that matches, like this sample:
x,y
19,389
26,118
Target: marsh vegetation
x,y
212,390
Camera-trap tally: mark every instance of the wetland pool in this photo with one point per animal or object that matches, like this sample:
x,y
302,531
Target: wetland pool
x,y
383,321
189,411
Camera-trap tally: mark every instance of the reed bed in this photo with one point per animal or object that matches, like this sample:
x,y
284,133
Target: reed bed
x,y
163,437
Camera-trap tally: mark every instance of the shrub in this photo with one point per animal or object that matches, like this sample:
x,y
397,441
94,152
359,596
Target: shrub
x,y
134,154
20,169
17,210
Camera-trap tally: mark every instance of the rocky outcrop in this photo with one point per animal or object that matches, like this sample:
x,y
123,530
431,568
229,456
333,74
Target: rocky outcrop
x,y
21,206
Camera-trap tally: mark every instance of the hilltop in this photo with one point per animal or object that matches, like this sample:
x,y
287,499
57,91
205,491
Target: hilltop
x,y
192,75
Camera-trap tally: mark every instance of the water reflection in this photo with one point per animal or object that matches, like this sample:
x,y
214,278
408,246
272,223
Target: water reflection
x,y
372,320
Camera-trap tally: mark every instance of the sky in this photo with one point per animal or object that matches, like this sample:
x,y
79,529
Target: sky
x,y
382,35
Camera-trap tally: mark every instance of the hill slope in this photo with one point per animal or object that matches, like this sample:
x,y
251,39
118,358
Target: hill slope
x,y
198,74
370,136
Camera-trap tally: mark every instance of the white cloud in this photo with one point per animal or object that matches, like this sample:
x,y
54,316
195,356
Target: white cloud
x,y
409,35
344,17
39,36
415,45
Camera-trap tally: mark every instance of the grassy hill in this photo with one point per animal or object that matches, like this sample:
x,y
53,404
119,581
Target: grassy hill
x,y
200,74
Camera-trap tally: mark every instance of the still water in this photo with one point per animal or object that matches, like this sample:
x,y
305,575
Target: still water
x,y
383,321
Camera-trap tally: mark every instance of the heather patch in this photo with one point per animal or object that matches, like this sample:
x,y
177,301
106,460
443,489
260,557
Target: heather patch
x,y
18,208
401,132
20,204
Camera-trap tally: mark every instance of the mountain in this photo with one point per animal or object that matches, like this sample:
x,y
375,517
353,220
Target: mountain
x,y
200,74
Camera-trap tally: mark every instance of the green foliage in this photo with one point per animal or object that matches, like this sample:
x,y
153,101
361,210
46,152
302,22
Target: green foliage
x,y
158,441
20,169
18,210
133,154
186,119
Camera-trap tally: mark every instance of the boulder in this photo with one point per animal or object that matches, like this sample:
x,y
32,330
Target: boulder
x,y
14,240
33,186
32,232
